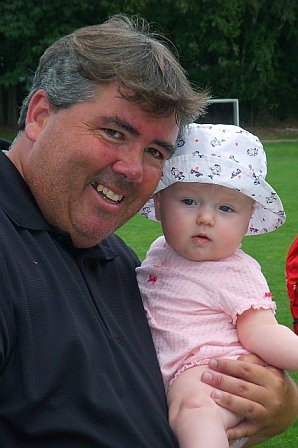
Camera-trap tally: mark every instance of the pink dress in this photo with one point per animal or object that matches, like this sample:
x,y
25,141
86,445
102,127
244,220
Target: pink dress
x,y
192,307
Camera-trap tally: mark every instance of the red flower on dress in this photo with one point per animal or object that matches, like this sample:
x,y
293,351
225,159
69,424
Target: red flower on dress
x,y
152,279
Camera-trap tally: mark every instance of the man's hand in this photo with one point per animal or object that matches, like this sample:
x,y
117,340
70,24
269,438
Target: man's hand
x,y
265,396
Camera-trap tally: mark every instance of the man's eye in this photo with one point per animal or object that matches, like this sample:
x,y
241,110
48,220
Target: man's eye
x,y
188,201
155,153
112,133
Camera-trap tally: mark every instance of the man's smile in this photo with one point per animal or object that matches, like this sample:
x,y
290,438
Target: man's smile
x,y
107,192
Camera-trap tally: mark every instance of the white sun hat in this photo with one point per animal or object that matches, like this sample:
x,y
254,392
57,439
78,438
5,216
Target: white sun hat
x,y
224,155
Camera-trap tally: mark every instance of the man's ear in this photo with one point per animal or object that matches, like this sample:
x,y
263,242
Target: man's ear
x,y
38,112
156,199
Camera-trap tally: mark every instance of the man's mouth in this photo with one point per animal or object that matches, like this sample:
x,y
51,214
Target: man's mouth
x,y
107,193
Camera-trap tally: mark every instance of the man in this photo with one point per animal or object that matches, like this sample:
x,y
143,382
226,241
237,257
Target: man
x,y
78,367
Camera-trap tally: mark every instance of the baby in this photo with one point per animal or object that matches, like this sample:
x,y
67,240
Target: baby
x,y
204,297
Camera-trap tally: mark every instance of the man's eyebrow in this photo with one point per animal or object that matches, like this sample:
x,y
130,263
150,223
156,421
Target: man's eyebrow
x,y
133,131
121,124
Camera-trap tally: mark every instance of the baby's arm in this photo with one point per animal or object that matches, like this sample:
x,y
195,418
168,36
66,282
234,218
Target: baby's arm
x,y
260,333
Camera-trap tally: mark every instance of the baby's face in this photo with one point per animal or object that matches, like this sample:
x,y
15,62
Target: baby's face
x,y
203,221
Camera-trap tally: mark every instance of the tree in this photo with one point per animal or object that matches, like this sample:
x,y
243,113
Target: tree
x,y
237,48
27,27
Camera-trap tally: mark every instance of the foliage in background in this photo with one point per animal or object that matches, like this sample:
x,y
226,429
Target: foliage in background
x,y
237,48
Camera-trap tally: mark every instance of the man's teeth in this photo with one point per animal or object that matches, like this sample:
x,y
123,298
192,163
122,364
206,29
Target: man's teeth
x,y
109,193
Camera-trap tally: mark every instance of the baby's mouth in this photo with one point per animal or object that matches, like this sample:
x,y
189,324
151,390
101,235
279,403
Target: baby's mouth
x,y
203,236
107,193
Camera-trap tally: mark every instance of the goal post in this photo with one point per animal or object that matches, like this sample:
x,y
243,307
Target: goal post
x,y
235,104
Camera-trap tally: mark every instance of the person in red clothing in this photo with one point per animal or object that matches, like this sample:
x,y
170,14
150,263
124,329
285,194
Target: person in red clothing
x,y
292,281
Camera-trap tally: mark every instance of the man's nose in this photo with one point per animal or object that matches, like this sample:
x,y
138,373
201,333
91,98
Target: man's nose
x,y
130,163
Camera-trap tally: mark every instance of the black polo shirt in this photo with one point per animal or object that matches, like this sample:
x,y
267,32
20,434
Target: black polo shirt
x,y
78,367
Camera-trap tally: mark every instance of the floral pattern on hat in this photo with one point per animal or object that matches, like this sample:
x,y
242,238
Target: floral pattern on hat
x,y
224,155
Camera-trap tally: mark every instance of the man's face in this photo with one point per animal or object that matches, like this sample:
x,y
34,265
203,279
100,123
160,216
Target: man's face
x,y
91,167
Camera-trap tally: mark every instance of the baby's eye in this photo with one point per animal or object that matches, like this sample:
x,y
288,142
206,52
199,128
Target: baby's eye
x,y
188,201
225,208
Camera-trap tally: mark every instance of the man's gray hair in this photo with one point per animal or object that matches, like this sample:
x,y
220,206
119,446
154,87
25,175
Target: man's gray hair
x,y
120,50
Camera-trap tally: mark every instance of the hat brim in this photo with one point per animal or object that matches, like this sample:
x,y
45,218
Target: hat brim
x,y
268,213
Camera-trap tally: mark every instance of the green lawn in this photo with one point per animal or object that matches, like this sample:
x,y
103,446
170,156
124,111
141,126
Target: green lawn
x,y
270,250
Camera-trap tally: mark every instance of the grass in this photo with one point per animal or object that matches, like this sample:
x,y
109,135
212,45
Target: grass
x,y
269,249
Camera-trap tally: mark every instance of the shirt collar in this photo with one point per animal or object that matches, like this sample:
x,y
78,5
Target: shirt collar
x,y
4,144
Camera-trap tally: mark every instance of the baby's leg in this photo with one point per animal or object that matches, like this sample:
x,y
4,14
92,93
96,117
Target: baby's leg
x,y
194,417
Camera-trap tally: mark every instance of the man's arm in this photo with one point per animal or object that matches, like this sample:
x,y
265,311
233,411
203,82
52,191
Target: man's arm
x,y
266,397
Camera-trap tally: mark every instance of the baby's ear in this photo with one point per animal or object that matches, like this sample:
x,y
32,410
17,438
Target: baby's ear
x,y
156,199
